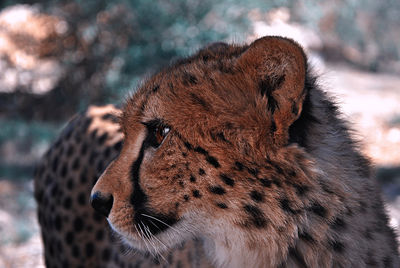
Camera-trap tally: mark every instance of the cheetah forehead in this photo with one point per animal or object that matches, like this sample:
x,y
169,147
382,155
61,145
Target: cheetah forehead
x,y
226,87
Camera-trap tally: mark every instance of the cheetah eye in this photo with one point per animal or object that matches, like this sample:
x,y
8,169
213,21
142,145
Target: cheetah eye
x,y
157,131
160,134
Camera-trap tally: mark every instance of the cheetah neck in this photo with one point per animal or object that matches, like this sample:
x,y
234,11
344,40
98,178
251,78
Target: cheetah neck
x,y
235,248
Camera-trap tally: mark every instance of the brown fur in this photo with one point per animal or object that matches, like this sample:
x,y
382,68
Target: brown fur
x,y
257,164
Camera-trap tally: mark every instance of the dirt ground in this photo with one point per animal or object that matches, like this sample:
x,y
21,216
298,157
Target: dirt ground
x,y
370,101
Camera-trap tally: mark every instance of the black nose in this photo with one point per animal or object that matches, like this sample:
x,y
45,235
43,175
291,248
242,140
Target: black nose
x,y
102,203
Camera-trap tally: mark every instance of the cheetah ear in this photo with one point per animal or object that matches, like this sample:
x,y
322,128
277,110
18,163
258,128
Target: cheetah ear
x,y
278,66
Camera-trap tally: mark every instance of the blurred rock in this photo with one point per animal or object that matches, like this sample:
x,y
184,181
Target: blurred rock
x,y
28,40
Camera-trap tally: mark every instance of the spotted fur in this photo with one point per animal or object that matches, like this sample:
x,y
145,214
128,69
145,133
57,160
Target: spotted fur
x,y
257,168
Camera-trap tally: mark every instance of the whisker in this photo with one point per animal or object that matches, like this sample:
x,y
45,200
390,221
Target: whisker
x,y
143,238
156,239
154,218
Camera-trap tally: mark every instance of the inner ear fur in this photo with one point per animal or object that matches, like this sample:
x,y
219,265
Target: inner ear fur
x,y
278,66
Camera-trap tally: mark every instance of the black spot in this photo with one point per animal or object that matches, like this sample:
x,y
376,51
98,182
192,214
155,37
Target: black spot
x,y
337,246
276,181
186,197
253,171
285,205
279,169
110,117
296,256
189,79
265,182
117,146
213,161
201,150
58,223
78,224
67,203
55,164
256,196
155,88
64,170
222,205
192,178
98,217
188,145
217,190
107,152
89,249
83,178
196,193
76,163
200,101
219,137
201,171
181,184
338,224
92,157
84,149
82,199
387,262
75,252
227,180
70,151
318,209
256,216
239,166
106,255
301,189
86,124
99,235
306,237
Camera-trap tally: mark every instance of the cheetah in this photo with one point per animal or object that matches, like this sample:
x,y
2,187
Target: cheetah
x,y
232,157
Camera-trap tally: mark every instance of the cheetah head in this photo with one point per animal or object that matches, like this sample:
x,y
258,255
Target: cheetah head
x,y
201,140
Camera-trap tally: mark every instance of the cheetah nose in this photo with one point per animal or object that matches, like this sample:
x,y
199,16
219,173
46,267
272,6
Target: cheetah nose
x,y
102,203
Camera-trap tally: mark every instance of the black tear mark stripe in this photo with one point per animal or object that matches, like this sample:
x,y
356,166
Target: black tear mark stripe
x,y
139,199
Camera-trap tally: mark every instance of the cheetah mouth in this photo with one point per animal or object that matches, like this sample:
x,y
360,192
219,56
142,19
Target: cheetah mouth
x,y
150,232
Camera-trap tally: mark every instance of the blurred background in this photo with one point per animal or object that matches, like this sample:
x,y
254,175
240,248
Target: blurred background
x,y
57,57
